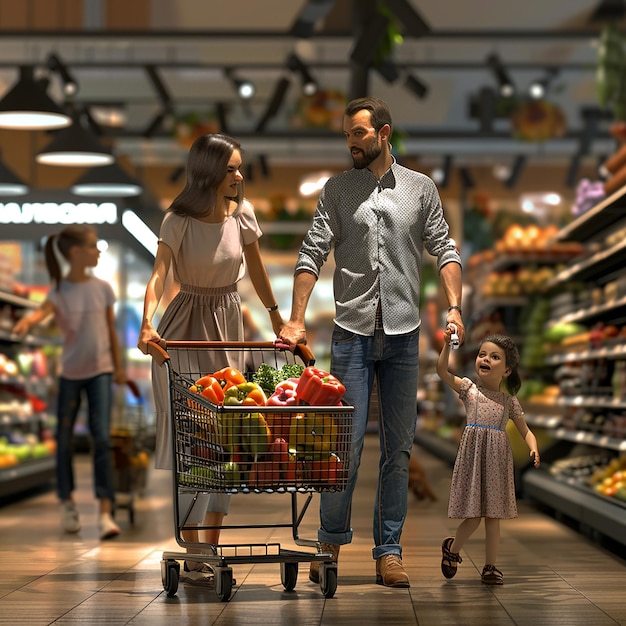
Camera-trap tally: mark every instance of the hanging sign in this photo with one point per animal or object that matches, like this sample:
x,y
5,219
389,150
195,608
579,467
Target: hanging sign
x,y
58,213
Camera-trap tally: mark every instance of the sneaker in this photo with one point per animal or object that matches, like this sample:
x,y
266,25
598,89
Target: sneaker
x,y
390,571
199,574
108,528
69,517
314,569
492,575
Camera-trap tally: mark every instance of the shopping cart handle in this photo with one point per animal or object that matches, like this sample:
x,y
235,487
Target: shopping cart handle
x,y
157,352
304,352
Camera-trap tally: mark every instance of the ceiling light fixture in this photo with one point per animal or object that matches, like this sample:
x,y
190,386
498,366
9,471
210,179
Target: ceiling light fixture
x,y
516,170
28,107
416,86
276,101
309,84
108,181
10,184
245,89
75,146
505,84
70,86
539,88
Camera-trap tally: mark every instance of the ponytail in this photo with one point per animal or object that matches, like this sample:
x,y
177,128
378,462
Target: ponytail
x,y
69,237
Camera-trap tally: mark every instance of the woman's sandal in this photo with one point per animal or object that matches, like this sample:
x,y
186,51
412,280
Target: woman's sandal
x,y
492,575
449,560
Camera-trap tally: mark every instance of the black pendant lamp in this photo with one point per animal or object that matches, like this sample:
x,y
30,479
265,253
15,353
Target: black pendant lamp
x,y
10,183
108,181
27,106
75,146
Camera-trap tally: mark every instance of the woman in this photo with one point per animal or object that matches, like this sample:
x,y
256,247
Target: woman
x,y
208,237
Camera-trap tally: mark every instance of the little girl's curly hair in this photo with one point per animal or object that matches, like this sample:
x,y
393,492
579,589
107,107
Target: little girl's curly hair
x,y
513,382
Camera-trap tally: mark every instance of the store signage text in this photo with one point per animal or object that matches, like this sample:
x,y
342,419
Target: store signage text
x,y
58,213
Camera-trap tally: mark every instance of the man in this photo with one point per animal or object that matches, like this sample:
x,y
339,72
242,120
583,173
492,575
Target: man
x,y
378,216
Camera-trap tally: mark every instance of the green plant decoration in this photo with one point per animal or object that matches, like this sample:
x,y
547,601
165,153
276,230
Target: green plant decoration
x,y
611,72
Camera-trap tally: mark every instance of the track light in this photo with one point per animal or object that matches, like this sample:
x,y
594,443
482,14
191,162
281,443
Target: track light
x,y
539,88
467,180
309,84
516,170
505,84
276,101
70,86
414,84
245,89
441,175
28,107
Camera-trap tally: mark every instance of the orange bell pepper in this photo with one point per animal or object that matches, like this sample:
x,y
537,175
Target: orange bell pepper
x,y
229,377
209,388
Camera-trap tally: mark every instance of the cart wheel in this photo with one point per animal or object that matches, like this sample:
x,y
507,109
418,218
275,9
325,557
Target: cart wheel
x,y
289,575
170,574
223,583
328,579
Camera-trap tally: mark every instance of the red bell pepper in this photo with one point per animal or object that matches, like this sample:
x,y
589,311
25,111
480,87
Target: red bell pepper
x,y
319,388
284,395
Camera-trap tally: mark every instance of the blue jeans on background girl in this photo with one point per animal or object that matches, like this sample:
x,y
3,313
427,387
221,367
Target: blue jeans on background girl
x,y
99,401
356,360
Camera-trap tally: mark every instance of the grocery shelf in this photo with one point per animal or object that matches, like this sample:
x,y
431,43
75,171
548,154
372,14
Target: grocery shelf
x,y
593,439
599,265
597,219
27,475
591,511
600,312
617,351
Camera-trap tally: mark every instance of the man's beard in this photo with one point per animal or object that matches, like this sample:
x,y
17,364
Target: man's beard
x,y
369,155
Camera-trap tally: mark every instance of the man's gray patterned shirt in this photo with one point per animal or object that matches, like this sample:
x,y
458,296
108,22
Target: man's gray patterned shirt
x,y
379,230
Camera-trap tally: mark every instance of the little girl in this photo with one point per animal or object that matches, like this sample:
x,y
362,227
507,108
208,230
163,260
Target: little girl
x,y
83,307
482,479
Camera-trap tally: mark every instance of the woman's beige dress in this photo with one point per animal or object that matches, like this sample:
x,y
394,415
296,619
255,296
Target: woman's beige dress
x,y
207,263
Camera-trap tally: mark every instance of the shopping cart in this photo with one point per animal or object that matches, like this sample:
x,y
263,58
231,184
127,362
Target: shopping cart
x,y
231,449
129,453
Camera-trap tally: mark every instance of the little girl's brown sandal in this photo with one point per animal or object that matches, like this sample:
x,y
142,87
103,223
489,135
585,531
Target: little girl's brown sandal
x,y
449,559
492,575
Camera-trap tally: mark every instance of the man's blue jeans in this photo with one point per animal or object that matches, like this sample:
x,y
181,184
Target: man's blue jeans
x,y
99,395
356,360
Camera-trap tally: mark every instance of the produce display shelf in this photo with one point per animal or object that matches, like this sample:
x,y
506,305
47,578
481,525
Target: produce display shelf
x,y
599,312
599,218
593,439
597,265
27,475
591,511
607,352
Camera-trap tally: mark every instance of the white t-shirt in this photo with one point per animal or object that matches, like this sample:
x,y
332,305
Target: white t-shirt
x,y
81,314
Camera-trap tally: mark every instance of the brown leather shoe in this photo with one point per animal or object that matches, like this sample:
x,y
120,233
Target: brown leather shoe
x,y
390,571
325,548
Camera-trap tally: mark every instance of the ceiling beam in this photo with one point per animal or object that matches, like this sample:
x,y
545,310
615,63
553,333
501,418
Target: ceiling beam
x,y
185,35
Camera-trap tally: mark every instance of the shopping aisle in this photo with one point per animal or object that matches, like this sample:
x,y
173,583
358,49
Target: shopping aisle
x,y
553,575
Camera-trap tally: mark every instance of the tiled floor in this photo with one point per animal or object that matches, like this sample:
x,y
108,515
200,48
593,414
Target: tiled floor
x,y
553,575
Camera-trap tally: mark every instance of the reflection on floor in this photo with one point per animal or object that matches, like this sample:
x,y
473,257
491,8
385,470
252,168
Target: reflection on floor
x,y
553,575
